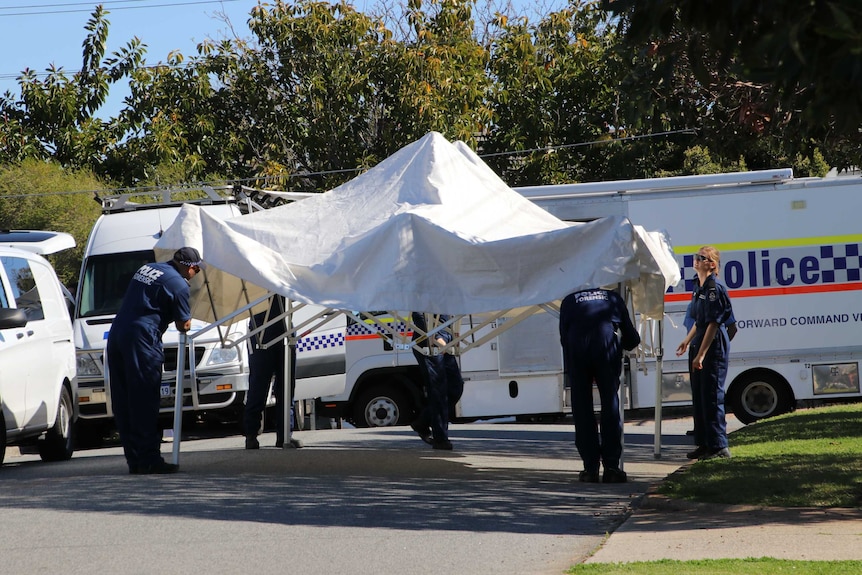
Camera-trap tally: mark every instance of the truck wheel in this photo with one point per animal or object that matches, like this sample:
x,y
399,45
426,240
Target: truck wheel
x,y
58,444
759,394
381,407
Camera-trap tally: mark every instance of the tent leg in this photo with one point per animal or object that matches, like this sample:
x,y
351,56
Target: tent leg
x,y
658,400
289,379
178,398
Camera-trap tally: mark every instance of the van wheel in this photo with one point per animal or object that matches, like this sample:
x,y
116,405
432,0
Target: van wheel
x,y
759,394
58,444
381,407
2,437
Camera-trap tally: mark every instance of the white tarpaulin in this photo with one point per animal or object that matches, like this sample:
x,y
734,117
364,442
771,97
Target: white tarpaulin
x,y
431,228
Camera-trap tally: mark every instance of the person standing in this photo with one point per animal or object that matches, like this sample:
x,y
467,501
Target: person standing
x,y
265,362
443,383
592,353
708,345
158,294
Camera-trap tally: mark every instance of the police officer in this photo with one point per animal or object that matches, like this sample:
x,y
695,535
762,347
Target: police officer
x,y
708,345
158,294
443,384
592,352
265,361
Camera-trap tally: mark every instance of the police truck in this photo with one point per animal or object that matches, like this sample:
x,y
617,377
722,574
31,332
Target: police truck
x,y
790,257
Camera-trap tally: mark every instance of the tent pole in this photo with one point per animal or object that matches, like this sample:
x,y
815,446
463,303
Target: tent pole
x,y
658,377
178,397
289,373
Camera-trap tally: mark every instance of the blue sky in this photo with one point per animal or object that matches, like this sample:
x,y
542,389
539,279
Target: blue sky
x,y
37,33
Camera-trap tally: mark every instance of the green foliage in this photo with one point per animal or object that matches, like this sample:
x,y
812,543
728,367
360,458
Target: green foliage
x,y
804,55
43,196
321,92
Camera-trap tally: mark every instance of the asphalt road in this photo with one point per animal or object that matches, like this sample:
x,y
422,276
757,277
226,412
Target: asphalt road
x,y
353,501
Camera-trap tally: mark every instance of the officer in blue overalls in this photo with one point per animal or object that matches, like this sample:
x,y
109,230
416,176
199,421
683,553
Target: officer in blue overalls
x,y
592,353
443,384
266,361
708,345
158,294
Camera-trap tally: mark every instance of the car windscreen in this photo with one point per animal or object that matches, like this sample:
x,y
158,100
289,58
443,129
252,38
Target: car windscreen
x,y
105,280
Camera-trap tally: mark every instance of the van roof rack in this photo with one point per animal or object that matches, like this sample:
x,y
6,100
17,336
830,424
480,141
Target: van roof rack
x,y
167,197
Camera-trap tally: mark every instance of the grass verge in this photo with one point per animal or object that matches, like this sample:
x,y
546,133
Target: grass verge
x,y
810,458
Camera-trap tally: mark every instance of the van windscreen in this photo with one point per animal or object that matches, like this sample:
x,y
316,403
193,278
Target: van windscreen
x,y
105,280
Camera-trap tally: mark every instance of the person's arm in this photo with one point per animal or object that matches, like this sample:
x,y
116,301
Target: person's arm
x,y
183,326
682,347
708,336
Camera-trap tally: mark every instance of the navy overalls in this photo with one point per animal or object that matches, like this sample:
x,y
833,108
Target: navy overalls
x,y
157,296
710,303
592,352
443,382
263,365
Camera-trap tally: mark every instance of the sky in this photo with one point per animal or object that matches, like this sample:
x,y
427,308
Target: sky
x,y
37,33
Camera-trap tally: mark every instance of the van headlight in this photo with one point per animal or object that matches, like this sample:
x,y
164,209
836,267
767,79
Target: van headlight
x,y
88,366
221,355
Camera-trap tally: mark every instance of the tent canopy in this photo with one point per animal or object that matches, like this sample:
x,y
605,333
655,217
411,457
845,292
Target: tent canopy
x,y
431,228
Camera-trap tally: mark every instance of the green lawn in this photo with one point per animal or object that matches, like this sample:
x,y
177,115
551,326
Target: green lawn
x,y
811,458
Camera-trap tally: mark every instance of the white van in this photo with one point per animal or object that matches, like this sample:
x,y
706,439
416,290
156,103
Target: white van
x,y
38,384
121,241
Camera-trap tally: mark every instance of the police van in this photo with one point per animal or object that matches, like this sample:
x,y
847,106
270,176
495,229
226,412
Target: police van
x,y
122,240
790,256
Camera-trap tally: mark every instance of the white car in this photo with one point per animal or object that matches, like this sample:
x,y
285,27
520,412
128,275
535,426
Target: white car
x,y
38,382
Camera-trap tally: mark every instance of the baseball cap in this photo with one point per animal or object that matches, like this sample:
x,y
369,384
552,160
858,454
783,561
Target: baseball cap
x,y
189,257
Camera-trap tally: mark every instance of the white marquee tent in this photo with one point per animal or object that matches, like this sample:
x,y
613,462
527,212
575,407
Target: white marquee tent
x,y
431,229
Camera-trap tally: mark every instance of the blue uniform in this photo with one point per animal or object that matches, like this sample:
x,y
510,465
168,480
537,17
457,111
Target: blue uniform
x,y
157,295
592,352
263,365
710,303
443,383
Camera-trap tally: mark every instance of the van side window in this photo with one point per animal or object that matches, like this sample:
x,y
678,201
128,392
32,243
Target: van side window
x,y
23,285
4,302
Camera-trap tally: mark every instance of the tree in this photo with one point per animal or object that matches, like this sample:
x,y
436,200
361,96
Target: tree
x,y
40,195
806,53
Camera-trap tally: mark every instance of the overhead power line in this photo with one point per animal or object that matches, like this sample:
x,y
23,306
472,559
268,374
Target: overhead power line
x,y
71,7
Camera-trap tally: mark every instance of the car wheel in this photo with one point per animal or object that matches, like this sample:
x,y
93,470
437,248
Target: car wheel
x,y
59,444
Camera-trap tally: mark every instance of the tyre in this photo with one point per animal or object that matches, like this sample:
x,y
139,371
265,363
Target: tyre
x,y
59,443
2,437
90,434
760,394
382,406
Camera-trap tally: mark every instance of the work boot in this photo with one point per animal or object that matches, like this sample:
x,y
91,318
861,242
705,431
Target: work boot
x,y
614,475
587,476
698,453
444,444
423,431
722,453
251,442
160,468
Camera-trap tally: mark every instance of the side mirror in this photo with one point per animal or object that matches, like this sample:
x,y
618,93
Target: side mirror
x,y
12,318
